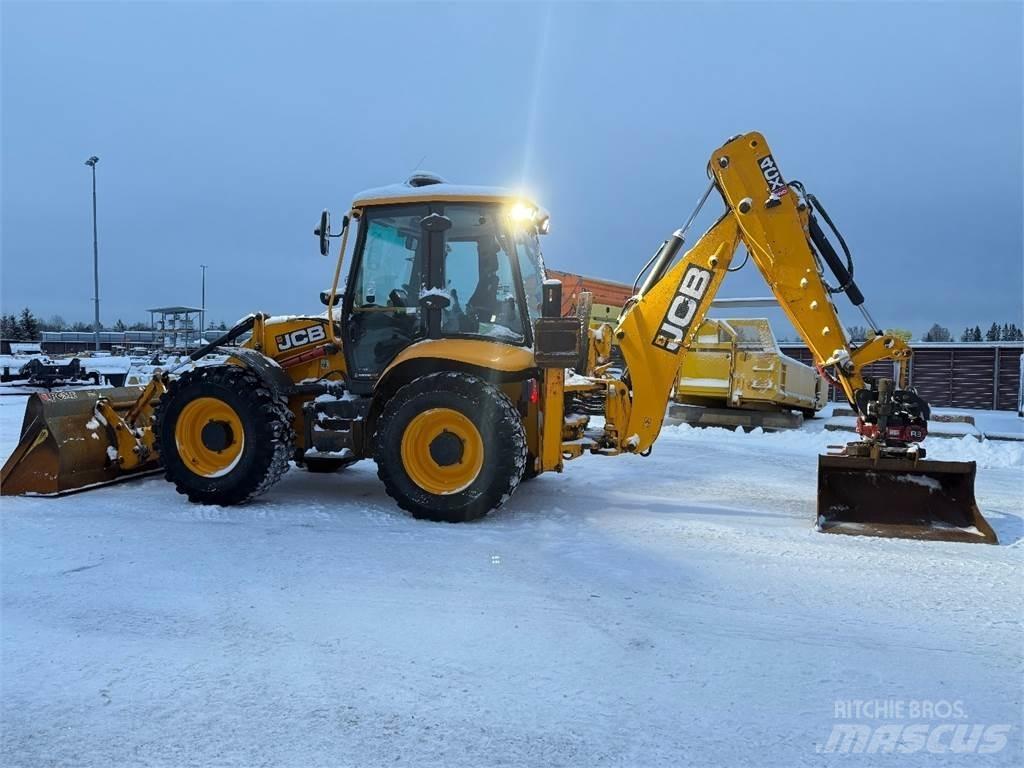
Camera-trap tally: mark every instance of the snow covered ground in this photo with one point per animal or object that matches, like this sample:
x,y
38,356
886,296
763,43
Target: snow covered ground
x,y
673,610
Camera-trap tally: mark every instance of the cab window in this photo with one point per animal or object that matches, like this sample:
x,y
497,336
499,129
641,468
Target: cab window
x,y
479,275
531,266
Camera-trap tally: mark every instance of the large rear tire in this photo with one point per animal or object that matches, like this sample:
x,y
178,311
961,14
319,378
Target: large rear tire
x,y
450,447
224,437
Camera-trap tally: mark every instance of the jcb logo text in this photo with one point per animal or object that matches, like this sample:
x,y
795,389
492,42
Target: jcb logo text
x,y
301,337
683,309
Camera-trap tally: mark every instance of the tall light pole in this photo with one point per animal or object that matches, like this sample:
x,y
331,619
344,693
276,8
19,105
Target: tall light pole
x,y
91,162
202,312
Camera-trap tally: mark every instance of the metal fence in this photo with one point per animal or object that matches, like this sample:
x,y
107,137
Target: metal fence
x,y
951,375
64,342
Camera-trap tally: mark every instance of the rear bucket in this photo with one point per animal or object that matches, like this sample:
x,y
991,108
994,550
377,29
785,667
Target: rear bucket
x,y
900,498
64,446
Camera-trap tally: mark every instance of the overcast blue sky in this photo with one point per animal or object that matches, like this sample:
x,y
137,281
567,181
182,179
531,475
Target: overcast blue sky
x,y
224,128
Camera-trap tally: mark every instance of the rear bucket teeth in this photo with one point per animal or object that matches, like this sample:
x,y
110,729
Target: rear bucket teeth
x,y
900,498
63,447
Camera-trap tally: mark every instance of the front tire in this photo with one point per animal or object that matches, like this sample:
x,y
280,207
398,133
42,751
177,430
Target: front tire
x,y
224,437
450,447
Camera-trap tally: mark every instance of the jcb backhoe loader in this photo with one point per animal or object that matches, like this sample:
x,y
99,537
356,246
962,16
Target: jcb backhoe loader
x,y
448,366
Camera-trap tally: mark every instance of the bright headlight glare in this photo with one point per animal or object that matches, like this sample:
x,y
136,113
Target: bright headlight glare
x,y
521,212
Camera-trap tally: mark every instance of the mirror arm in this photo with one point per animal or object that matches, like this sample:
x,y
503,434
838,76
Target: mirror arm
x,y
337,277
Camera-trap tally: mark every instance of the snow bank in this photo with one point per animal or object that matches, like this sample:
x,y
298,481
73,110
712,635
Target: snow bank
x,y
989,454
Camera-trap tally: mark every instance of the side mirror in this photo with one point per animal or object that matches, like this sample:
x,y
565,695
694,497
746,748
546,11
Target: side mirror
x,y
325,299
324,232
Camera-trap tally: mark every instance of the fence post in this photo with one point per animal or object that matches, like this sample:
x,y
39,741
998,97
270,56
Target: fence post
x,y
952,372
995,380
1020,387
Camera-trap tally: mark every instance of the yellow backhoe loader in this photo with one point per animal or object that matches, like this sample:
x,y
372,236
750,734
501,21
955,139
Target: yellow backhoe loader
x,y
449,363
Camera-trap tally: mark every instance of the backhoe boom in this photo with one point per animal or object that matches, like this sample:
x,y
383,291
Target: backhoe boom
x,y
773,221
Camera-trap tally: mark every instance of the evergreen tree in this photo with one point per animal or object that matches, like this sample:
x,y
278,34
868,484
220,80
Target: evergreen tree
x,y
976,336
992,334
28,325
120,326
9,327
967,335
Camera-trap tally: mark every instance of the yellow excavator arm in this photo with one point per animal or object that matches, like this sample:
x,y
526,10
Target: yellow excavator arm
x,y
879,484
773,220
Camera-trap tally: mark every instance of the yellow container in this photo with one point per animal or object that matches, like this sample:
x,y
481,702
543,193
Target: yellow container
x,y
737,364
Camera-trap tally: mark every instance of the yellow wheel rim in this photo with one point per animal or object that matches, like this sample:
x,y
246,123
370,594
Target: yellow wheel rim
x,y
442,451
209,437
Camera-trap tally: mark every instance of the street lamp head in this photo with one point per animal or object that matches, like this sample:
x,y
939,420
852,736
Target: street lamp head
x,y
92,161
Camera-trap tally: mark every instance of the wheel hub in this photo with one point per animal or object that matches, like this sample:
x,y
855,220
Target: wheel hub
x,y
217,435
447,449
442,451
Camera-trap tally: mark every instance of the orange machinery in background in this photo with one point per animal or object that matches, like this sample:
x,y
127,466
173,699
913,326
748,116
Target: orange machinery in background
x,y
608,296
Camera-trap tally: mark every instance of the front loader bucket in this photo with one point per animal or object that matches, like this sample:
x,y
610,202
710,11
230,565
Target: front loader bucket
x,y
64,447
900,498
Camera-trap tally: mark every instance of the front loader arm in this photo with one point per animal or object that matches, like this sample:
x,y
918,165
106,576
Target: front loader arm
x,y
763,213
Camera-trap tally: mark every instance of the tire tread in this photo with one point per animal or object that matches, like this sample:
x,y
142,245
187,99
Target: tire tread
x,y
485,399
271,459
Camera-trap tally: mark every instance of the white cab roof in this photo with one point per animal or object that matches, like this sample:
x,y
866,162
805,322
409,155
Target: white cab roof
x,y
407,193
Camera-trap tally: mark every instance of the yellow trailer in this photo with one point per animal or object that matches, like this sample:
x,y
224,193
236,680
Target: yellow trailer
x,y
736,363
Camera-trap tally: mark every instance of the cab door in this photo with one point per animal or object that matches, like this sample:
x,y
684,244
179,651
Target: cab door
x,y
382,310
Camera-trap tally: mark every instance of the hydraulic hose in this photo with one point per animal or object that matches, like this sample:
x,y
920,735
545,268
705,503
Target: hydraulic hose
x,y
839,269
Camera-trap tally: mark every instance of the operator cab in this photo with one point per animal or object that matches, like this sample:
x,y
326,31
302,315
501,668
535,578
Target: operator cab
x,y
435,260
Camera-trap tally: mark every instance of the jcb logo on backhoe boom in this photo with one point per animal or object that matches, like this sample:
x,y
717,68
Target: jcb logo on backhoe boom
x,y
300,338
680,314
